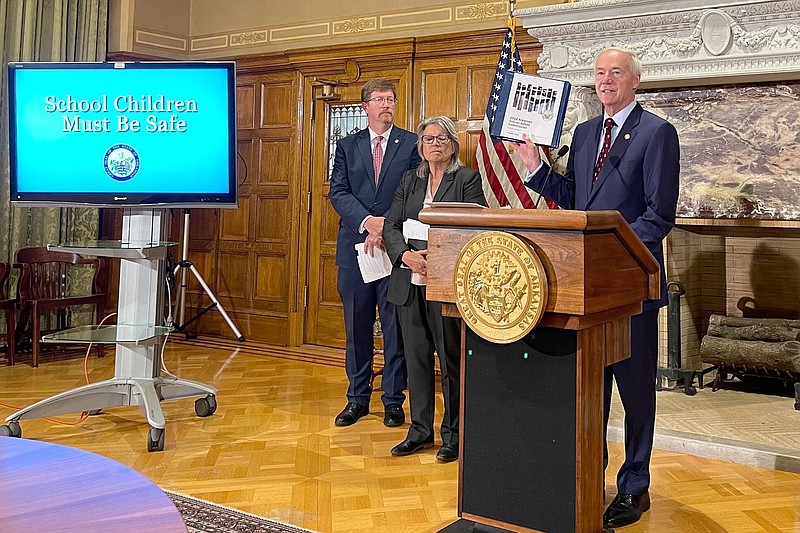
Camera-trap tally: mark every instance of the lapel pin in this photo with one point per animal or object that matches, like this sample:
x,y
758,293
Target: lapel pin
x,y
396,141
627,136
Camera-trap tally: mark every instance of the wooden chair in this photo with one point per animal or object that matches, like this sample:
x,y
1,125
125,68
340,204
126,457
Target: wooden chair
x,y
43,285
8,306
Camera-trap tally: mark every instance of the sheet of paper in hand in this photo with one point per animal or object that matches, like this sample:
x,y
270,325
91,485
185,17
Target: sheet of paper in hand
x,y
533,105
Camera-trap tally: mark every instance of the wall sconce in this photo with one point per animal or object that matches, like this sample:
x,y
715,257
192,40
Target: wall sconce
x,y
327,91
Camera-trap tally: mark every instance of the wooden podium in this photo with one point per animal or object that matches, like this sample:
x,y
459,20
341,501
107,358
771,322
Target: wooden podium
x,y
531,432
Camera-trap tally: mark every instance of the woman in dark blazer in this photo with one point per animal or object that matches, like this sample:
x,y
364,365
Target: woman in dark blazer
x,y
440,177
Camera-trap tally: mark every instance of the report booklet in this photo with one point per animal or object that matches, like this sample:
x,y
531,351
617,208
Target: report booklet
x,y
533,105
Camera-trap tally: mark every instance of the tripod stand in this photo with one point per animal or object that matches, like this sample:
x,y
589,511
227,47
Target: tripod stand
x,y
183,265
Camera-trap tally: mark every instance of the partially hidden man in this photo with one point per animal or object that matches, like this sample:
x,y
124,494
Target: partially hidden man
x,y
628,160
366,171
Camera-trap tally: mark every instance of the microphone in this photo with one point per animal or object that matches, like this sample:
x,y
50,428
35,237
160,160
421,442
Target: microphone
x,y
561,153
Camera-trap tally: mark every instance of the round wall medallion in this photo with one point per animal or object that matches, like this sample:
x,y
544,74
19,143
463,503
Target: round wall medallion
x,y
500,286
716,31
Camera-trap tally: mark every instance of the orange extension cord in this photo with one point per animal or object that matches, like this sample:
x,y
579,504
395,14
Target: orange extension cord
x,y
85,414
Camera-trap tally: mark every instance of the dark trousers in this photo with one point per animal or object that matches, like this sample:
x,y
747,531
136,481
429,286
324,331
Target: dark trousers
x,y
359,300
424,330
636,381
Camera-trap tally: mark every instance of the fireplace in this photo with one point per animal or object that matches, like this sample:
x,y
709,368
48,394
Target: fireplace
x,y
727,75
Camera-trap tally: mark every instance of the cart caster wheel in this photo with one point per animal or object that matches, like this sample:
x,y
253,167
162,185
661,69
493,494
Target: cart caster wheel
x,y
155,440
205,406
690,390
11,430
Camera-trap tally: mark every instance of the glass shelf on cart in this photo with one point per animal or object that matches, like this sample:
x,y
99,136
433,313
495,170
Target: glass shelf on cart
x,y
116,248
111,334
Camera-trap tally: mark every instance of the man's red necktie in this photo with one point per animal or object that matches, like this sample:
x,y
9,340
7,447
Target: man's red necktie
x,y
377,157
609,123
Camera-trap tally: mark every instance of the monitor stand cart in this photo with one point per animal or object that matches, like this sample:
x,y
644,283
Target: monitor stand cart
x,y
137,376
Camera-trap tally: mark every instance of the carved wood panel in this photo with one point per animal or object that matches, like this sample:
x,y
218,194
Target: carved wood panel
x,y
235,223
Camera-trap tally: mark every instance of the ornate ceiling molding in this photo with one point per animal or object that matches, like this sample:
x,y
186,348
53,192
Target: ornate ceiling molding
x,y
690,42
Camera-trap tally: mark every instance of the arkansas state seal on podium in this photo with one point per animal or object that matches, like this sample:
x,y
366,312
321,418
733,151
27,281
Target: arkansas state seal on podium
x,y
500,286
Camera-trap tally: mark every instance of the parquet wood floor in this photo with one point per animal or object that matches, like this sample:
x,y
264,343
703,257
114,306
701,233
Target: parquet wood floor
x,y
271,449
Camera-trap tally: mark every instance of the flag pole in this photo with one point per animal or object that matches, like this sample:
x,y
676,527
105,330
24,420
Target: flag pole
x,y
511,7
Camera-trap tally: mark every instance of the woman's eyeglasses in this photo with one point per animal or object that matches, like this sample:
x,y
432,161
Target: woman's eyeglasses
x,y
428,139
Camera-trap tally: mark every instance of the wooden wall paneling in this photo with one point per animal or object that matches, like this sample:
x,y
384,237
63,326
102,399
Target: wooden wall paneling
x,y
271,286
246,106
232,276
273,220
276,104
480,79
202,226
440,92
244,160
235,223
275,161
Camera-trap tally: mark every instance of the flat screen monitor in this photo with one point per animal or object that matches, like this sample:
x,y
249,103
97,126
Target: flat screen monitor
x,y
123,134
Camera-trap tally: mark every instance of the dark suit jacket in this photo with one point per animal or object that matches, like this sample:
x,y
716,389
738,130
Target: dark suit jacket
x,y
353,193
639,178
464,185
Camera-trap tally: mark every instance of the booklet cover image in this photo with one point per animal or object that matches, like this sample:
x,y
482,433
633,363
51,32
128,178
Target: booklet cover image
x,y
531,105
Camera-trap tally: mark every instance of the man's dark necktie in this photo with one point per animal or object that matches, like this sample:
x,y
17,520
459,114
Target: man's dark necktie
x,y
609,123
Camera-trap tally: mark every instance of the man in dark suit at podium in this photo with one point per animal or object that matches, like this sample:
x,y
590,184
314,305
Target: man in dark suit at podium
x,y
628,160
366,170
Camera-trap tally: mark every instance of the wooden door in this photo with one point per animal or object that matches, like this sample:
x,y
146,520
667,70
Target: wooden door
x,y
332,120
324,320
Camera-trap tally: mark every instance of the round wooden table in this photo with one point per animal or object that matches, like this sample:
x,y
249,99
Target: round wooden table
x,y
49,487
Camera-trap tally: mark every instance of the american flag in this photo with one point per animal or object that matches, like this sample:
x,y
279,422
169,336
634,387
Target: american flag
x,y
501,170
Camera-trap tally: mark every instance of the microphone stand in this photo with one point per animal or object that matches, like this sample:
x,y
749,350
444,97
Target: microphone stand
x,y
561,153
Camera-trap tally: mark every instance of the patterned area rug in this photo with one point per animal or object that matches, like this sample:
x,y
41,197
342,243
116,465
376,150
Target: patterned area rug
x,y
206,517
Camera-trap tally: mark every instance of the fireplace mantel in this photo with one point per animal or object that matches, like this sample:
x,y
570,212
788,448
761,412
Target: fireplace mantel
x,y
724,73
680,42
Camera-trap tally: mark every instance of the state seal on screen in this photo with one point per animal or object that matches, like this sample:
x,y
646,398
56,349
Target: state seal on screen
x,y
121,162
500,286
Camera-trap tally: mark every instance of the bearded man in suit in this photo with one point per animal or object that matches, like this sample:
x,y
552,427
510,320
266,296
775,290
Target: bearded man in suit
x,y
627,160
366,170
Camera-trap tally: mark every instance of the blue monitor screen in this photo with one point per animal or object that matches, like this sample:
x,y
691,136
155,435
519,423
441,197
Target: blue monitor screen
x,y
122,134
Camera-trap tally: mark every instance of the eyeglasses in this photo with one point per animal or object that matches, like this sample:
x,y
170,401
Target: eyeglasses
x,y
390,100
428,139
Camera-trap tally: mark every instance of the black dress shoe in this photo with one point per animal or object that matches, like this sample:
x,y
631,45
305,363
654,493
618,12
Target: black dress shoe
x,y
408,446
393,415
352,412
447,453
626,509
